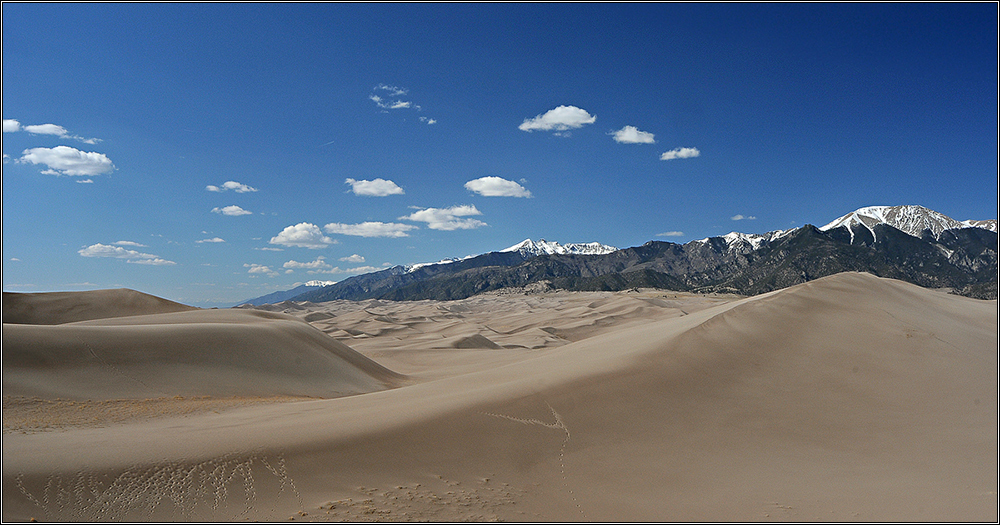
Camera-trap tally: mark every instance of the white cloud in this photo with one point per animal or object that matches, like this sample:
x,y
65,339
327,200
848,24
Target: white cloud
x,y
632,135
390,104
260,269
447,219
64,160
337,269
374,188
680,153
352,259
561,118
129,243
318,264
10,125
303,235
213,239
117,252
85,181
153,262
48,129
670,234
370,229
388,98
392,90
232,211
739,217
496,187
231,185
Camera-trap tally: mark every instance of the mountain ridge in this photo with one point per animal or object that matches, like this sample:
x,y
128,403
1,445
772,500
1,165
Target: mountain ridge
x,y
910,243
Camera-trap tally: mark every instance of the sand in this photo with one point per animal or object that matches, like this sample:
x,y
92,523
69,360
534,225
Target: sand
x,y
848,398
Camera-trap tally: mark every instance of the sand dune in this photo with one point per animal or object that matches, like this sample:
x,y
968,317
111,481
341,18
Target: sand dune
x,y
846,398
68,307
215,352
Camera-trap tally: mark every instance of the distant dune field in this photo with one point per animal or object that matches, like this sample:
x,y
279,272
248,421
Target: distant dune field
x,y
847,398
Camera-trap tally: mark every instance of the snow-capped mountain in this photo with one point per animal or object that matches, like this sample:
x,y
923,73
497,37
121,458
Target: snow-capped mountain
x,y
408,268
990,224
745,242
543,247
744,263
908,218
314,284
530,248
284,295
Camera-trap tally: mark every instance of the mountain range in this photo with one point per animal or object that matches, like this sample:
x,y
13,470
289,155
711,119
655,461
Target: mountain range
x,y
909,243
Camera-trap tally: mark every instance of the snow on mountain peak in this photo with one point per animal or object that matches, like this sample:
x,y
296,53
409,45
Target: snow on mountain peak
x,y
749,241
909,219
543,247
319,283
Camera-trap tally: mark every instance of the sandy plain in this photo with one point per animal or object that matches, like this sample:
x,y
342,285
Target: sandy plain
x,y
848,398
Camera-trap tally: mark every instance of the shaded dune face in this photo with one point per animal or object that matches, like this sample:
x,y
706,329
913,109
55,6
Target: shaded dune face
x,y
185,353
69,307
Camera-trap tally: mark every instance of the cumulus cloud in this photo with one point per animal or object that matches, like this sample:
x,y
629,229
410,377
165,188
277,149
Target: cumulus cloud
x,y
64,160
496,187
260,269
337,270
447,219
353,259
10,125
303,235
561,118
129,243
680,153
232,211
632,135
318,264
231,185
370,229
429,121
739,217
670,234
213,240
47,129
85,181
374,188
117,252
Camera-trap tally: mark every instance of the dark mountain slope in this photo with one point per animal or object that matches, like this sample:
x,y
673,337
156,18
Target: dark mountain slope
x,y
964,259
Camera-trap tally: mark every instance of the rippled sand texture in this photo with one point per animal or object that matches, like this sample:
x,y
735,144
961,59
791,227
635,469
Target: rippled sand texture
x,y
847,398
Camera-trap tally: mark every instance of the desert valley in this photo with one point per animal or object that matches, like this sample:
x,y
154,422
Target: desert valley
x,y
846,398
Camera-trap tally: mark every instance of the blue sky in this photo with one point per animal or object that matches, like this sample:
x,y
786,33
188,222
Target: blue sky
x,y
209,153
